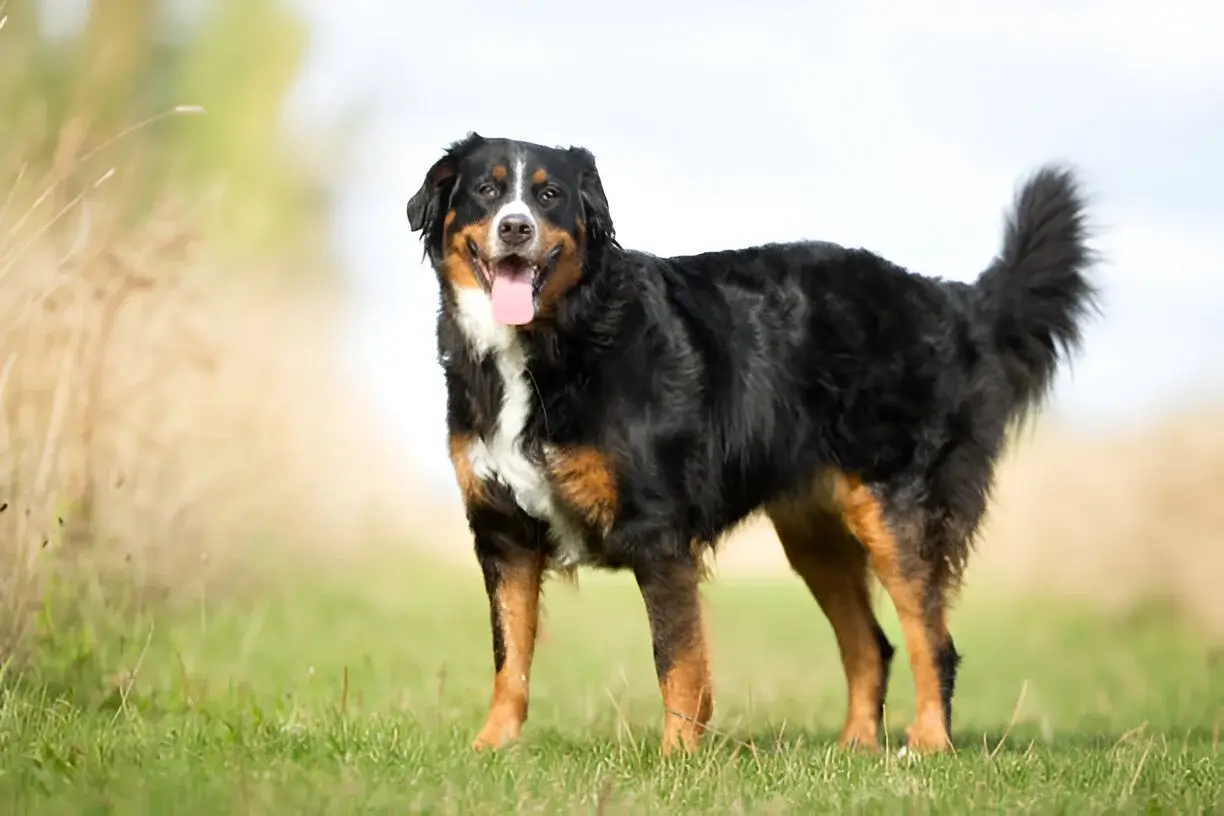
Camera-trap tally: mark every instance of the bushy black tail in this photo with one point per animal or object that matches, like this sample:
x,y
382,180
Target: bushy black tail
x,y
1036,294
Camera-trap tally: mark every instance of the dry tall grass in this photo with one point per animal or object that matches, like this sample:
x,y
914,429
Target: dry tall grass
x,y
161,414
169,394
1132,516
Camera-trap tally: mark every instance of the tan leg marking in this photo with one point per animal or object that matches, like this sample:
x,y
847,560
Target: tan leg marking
x,y
688,698
864,516
833,564
677,625
517,599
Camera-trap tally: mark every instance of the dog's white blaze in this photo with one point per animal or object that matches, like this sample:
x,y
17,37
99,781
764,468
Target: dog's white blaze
x,y
501,457
516,204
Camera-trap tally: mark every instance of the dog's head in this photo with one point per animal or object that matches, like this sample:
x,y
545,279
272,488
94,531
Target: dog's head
x,y
518,221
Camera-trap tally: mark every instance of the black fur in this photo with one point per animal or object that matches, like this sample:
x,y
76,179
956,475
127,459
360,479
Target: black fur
x,y
1035,317
948,661
886,657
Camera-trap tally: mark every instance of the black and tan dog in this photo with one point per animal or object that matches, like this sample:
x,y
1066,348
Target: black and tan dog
x,y
611,408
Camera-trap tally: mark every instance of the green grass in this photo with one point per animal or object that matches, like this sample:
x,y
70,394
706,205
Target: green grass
x,y
361,693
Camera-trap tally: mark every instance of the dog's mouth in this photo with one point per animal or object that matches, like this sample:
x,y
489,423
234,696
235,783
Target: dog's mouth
x,y
512,282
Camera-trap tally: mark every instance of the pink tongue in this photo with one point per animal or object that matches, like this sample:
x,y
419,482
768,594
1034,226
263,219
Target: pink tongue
x,y
513,303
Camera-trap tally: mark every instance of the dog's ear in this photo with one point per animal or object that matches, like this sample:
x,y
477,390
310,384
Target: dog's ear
x,y
595,212
424,205
428,201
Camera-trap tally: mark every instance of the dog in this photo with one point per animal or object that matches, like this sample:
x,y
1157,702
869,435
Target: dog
x,y
614,409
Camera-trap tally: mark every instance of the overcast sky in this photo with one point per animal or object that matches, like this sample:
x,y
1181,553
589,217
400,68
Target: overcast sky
x,y
720,124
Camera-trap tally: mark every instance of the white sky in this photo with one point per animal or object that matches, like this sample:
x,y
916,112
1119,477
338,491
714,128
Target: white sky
x,y
716,124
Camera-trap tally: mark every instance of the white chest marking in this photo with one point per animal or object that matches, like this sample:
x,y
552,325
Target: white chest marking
x,y
501,456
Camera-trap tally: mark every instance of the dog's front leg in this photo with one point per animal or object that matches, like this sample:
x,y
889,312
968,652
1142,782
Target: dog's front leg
x,y
670,589
512,579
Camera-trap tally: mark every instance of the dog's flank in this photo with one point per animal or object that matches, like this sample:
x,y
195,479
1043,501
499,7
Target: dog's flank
x,y
615,409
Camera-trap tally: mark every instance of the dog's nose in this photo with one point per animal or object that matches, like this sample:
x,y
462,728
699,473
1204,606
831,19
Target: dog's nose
x,y
515,230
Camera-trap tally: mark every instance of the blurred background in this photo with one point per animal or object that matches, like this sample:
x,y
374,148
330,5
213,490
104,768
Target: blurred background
x,y
216,331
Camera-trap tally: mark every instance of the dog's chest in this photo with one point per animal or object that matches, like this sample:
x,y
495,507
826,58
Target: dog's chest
x,y
499,454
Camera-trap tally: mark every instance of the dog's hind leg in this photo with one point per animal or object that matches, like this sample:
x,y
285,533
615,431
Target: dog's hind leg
x,y
911,584
947,659
833,564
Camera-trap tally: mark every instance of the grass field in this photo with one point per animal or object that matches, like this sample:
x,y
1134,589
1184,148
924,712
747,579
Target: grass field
x,y
165,394
361,691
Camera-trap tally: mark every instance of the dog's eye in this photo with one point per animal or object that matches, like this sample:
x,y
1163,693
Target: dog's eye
x,y
548,195
487,190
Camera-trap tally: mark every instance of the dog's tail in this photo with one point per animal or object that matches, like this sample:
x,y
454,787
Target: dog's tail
x,y
1035,296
